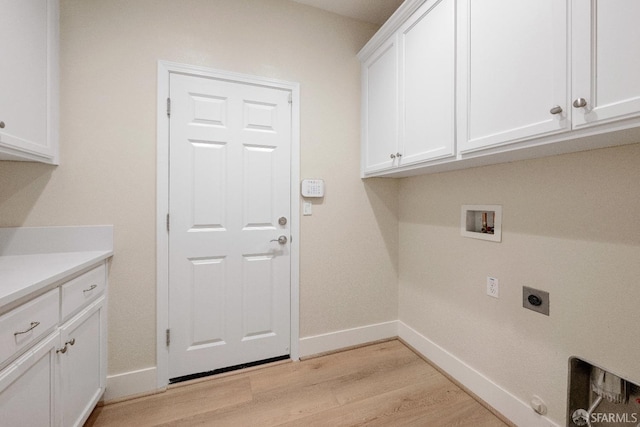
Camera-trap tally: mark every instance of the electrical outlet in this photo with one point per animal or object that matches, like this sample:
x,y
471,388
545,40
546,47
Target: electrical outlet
x,y
493,287
535,299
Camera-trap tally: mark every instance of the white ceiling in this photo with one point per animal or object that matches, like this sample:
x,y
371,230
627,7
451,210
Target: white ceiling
x,y
373,11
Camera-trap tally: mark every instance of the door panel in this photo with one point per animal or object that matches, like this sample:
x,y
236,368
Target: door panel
x,y
229,283
428,74
380,108
605,39
517,70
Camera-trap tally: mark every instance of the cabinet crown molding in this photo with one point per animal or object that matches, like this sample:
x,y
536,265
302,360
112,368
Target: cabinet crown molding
x,y
392,24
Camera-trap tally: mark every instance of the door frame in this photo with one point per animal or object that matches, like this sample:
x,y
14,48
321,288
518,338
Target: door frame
x,y
165,69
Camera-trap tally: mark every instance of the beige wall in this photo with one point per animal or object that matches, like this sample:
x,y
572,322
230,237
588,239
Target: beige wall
x,y
570,227
109,54
570,222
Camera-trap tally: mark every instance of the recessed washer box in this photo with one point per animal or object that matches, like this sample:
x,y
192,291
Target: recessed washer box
x,y
482,222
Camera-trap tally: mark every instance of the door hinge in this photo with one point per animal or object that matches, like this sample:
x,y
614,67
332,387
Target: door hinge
x,y
168,107
167,223
168,337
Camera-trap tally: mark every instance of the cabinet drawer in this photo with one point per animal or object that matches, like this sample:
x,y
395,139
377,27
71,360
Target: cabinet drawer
x,y
83,289
27,323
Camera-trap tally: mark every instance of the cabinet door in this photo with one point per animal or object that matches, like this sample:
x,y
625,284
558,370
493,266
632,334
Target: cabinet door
x,y
380,108
427,83
83,365
606,60
28,387
516,68
28,79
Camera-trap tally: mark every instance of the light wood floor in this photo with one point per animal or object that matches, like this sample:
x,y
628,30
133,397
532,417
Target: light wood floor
x,y
384,384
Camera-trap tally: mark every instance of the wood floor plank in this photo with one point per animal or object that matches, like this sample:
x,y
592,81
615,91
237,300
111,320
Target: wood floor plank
x,y
331,366
378,385
174,404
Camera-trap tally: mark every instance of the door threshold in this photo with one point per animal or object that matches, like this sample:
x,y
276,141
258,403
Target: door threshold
x,y
220,371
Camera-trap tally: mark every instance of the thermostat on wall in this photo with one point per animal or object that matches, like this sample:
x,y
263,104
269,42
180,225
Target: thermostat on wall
x,y
312,188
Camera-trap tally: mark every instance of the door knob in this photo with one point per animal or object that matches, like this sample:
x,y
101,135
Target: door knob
x,y
282,240
580,102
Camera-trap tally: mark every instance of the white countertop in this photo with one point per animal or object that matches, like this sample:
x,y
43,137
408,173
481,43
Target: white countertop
x,y
21,275
34,258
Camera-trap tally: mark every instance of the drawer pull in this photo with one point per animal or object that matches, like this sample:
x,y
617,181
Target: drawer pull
x,y
92,287
31,328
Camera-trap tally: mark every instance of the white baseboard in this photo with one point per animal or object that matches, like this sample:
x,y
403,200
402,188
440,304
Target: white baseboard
x,y
347,338
131,384
514,409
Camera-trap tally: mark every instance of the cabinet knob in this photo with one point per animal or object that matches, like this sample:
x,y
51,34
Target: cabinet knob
x,y
398,154
580,102
1,125
556,110
393,156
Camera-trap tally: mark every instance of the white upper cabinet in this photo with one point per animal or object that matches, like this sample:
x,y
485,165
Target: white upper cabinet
x,y
483,82
606,61
408,86
29,80
427,44
515,58
380,108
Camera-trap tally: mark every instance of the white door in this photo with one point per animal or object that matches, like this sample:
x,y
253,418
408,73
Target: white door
x,y
517,71
229,202
427,83
606,36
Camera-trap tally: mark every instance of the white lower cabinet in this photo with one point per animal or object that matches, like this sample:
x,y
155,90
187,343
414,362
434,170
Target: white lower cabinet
x,y
82,365
28,387
55,379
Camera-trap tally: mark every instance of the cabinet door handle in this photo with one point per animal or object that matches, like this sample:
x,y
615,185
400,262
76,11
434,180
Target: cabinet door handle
x,y
398,154
62,350
72,341
556,110
31,328
92,287
580,102
1,125
393,156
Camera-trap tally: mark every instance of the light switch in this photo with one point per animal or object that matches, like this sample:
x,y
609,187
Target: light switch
x,y
307,208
